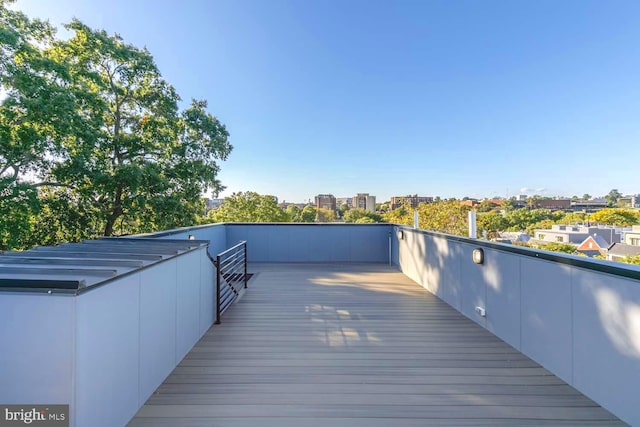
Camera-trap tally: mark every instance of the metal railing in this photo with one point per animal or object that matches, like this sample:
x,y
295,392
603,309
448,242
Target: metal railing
x,y
231,276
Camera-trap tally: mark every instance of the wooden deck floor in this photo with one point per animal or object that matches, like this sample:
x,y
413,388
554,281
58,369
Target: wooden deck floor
x,y
344,345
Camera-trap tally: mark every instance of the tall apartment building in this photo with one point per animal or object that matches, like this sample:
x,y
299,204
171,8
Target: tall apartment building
x,y
414,199
364,201
326,201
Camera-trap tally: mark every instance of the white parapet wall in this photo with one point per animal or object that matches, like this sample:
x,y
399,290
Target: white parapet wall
x,y
105,350
579,319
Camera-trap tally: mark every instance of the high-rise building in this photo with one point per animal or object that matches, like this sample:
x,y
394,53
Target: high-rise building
x,y
364,201
326,201
413,199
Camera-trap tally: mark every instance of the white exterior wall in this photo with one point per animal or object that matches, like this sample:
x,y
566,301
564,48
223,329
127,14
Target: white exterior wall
x,y
581,324
105,351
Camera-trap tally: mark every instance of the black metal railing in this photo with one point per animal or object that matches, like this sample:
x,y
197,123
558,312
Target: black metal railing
x,y
231,276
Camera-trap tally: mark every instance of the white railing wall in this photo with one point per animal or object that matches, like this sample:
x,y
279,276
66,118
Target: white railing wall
x,y
577,318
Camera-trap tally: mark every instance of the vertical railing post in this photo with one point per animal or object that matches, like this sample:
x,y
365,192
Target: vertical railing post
x,y
390,246
245,265
217,322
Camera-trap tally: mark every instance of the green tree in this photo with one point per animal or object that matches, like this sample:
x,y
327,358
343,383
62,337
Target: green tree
x,y
521,219
62,218
551,246
586,196
342,209
383,207
365,220
491,223
38,108
401,215
612,197
137,156
632,260
353,215
36,113
485,206
559,247
544,224
18,203
572,218
614,216
445,216
248,207
293,212
308,214
508,205
325,215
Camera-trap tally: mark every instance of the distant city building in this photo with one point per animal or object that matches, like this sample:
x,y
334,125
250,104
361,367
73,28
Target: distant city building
x,y
413,199
364,201
576,234
588,206
326,201
522,198
629,202
344,200
553,204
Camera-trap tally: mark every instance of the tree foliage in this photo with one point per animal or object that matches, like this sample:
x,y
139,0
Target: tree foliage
x,y
612,197
613,216
353,215
141,157
635,260
445,216
325,215
521,219
248,207
88,125
308,214
490,224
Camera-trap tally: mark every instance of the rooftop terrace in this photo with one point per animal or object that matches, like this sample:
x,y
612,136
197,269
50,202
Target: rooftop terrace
x,y
357,345
369,324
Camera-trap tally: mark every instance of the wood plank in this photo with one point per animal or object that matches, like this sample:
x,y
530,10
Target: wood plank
x,y
362,346
461,411
363,422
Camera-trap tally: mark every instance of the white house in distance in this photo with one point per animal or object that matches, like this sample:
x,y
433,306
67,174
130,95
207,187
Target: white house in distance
x,y
576,234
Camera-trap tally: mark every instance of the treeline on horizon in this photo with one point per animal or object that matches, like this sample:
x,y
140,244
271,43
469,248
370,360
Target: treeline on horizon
x,y
445,216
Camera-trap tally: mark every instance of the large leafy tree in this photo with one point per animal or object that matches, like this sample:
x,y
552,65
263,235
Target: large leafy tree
x,y
248,207
92,140
37,111
139,161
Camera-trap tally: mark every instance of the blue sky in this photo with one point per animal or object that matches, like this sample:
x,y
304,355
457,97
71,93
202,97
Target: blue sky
x,y
447,98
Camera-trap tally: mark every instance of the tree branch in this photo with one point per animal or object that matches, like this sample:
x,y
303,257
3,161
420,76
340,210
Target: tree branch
x,y
54,184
